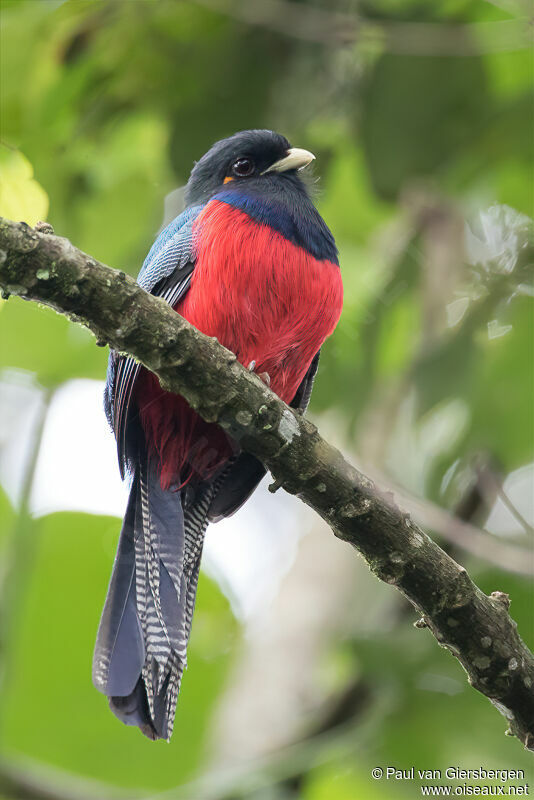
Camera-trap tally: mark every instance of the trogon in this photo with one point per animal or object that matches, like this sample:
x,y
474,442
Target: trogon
x,y
251,262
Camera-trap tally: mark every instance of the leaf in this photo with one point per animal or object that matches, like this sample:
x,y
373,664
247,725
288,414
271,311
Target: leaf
x,y
21,196
347,201
37,339
417,113
502,396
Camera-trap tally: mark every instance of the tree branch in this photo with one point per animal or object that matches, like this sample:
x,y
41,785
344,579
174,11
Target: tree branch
x,y
475,627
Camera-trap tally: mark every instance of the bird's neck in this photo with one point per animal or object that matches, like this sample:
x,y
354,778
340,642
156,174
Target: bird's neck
x,y
284,205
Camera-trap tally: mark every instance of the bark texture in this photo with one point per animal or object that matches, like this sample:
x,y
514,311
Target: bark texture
x,y
476,628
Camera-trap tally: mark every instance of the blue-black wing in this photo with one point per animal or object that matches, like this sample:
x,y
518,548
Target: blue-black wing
x,y
165,273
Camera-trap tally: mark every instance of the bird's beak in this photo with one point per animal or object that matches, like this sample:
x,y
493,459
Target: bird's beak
x,y
295,159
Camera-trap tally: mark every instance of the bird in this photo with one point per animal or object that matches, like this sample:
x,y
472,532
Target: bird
x,y
251,262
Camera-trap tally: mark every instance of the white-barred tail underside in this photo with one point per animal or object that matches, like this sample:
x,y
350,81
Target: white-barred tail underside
x,y
141,649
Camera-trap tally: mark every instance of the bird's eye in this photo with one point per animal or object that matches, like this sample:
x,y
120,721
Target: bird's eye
x,y
243,167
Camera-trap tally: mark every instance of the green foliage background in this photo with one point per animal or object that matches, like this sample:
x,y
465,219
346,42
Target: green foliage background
x,y
417,128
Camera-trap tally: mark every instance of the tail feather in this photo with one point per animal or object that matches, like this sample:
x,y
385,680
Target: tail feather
x,y
133,710
120,651
140,653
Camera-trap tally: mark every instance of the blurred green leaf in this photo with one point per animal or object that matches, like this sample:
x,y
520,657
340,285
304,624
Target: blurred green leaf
x,y
346,200
500,399
417,113
37,339
21,197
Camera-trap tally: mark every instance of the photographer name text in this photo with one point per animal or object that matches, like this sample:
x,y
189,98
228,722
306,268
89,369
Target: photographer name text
x,y
450,773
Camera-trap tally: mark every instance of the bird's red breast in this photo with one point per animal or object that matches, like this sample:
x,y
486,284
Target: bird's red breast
x,y
263,297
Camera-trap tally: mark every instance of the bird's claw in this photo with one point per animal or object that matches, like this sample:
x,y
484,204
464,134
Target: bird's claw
x,y
264,376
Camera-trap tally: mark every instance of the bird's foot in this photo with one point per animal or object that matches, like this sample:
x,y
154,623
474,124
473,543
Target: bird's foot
x,y
264,376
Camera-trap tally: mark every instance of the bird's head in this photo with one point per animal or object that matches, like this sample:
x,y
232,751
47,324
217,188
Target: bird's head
x,y
244,159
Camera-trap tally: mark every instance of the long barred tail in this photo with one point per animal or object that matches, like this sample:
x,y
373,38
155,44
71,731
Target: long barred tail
x,y
140,652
